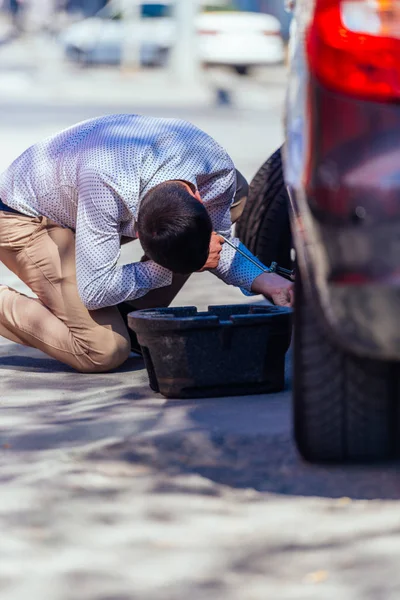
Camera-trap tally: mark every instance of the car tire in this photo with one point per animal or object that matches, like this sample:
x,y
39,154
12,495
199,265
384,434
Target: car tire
x,y
264,227
346,408
241,69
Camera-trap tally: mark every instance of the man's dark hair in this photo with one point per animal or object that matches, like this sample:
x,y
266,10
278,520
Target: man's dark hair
x,y
174,228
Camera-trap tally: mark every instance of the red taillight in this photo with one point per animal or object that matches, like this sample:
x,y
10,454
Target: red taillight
x,y
207,32
271,33
354,46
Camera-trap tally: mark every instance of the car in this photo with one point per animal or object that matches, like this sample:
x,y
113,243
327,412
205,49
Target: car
x,y
333,192
239,40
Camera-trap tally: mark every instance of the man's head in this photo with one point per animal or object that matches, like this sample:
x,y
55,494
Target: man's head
x,y
174,227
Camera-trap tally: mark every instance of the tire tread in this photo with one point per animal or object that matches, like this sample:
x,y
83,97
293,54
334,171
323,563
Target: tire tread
x,y
264,227
345,407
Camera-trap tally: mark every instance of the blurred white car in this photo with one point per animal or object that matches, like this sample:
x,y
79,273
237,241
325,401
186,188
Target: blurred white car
x,y
238,39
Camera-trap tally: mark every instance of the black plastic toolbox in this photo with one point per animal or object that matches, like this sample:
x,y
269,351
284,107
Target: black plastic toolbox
x,y
229,350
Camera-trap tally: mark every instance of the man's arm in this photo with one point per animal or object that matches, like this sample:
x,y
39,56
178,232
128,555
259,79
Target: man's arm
x,y
101,282
217,197
232,267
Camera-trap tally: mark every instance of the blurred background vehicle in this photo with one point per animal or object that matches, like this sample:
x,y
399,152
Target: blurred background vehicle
x,y
225,38
276,8
240,39
100,39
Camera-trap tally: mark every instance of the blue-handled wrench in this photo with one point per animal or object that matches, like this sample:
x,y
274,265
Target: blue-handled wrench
x,y
274,268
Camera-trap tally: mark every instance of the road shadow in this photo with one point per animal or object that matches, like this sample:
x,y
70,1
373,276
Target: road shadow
x,y
266,464
42,364
248,442
241,442
53,407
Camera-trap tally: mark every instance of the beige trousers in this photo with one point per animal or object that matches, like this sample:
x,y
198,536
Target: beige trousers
x,y
42,255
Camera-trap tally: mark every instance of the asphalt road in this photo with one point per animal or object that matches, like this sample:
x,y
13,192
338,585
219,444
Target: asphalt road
x,y
110,492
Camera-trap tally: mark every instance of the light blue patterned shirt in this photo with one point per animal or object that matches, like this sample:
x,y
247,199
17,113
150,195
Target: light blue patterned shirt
x,y
92,178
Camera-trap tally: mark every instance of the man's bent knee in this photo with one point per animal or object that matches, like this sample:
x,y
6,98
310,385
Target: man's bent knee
x,y
115,352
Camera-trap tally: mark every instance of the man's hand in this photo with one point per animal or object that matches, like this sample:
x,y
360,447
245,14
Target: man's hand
x,y
275,288
215,251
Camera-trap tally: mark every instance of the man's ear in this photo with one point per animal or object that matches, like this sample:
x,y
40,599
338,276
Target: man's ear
x,y
197,196
193,191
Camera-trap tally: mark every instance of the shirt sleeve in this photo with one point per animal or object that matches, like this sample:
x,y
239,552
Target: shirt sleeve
x,y
218,196
101,282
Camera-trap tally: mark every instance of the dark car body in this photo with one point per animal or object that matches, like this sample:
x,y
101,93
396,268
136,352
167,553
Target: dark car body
x,y
342,168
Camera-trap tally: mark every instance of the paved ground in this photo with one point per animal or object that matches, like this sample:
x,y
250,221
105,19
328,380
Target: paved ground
x,y
110,492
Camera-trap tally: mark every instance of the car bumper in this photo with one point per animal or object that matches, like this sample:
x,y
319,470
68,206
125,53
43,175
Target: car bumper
x,y
363,287
354,277
364,319
225,50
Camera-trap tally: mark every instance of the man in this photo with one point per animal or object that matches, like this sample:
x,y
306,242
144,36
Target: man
x,y
70,201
